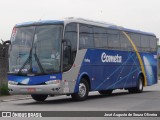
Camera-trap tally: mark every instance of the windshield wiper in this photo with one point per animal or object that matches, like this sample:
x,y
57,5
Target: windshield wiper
x,y
38,62
28,59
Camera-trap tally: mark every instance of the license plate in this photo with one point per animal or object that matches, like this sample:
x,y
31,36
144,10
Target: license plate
x,y
31,89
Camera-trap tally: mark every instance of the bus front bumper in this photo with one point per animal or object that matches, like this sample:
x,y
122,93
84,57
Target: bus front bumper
x,y
51,89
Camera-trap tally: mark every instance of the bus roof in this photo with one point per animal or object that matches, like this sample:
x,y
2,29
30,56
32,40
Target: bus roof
x,y
105,24
138,31
41,22
84,21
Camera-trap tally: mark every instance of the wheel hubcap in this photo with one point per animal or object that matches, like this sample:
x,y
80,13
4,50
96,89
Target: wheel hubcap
x,y
82,90
140,84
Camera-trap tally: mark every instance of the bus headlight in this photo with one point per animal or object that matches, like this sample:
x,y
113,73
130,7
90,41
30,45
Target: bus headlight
x,y
12,82
52,82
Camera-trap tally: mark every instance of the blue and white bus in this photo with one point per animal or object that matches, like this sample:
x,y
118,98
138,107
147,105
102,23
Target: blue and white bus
x,y
75,56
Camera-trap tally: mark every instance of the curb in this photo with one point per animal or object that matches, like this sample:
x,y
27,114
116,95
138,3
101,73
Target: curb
x,y
13,99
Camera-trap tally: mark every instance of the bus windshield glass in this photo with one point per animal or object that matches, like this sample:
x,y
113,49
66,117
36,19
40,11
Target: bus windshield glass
x,y
35,49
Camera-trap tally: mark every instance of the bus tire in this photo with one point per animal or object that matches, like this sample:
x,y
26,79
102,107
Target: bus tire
x,y
83,91
139,86
105,92
39,98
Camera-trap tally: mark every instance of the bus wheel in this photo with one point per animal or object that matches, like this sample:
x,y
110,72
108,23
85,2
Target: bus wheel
x,y
106,92
83,91
39,98
139,87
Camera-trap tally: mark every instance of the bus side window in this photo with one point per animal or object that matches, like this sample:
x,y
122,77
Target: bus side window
x,y
85,37
145,43
71,36
100,37
153,43
136,40
125,44
113,39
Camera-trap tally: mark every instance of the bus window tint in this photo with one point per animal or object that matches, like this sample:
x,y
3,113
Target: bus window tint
x,y
136,38
153,43
113,39
145,43
125,44
85,36
70,35
100,37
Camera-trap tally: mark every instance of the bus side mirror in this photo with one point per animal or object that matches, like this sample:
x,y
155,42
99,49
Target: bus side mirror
x,y
6,46
67,50
8,42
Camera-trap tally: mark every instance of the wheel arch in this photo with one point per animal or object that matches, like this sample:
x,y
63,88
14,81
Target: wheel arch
x,y
85,76
141,74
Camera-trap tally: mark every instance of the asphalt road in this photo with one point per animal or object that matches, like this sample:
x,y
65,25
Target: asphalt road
x,y
120,100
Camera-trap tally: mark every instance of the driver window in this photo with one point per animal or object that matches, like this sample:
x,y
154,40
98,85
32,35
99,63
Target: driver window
x,y
71,37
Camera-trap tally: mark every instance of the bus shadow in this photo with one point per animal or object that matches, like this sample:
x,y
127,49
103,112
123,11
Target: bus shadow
x,y
90,97
114,95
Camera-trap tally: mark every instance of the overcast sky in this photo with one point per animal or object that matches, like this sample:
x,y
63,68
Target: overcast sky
x,y
135,14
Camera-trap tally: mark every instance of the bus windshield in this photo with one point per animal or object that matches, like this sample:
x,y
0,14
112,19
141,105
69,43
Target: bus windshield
x,y
35,49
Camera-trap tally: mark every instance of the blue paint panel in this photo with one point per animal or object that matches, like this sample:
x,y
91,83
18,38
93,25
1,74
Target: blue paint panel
x,y
33,80
113,75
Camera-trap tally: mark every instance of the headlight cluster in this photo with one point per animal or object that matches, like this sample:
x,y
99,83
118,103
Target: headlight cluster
x,y
12,82
52,82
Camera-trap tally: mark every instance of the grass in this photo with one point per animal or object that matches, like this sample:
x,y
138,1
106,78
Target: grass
x,y
4,90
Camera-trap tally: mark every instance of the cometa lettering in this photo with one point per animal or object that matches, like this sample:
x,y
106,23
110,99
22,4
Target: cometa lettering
x,y
111,58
